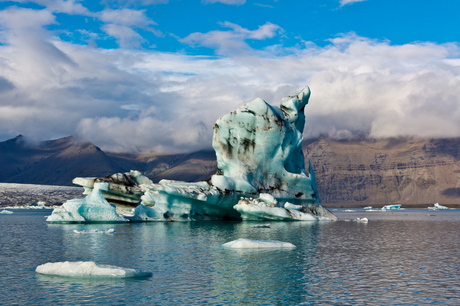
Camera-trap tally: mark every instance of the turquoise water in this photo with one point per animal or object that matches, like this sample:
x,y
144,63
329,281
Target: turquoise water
x,y
403,257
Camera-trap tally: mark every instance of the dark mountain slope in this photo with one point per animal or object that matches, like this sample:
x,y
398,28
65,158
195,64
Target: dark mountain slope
x,y
353,172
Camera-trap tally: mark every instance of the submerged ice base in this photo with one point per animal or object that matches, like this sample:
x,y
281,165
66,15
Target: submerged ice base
x,y
259,154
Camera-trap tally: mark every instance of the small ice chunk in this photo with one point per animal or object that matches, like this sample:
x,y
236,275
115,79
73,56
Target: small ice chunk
x,y
6,212
95,231
362,220
257,244
88,269
261,226
268,198
288,205
392,206
368,207
436,206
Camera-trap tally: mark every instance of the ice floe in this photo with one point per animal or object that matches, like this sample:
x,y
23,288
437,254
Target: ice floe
x,y
362,220
261,226
257,244
88,269
95,231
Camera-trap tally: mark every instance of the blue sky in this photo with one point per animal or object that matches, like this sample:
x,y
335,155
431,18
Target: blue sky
x,y
136,75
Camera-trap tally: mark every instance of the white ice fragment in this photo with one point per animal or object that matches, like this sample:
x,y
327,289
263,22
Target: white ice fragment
x,y
261,226
288,205
90,269
362,220
392,206
257,212
93,208
368,207
257,244
268,198
436,206
6,212
95,231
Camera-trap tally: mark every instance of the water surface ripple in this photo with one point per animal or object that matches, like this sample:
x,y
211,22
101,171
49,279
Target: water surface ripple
x,y
404,257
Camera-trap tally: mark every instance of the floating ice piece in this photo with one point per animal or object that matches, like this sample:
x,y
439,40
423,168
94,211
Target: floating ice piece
x,y
93,208
362,220
90,269
436,206
257,244
368,207
261,226
6,212
393,206
95,231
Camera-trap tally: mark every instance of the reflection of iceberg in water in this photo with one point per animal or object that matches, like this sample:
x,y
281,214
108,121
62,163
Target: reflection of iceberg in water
x,y
259,155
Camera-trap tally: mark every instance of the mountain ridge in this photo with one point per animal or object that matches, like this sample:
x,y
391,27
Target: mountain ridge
x,y
357,172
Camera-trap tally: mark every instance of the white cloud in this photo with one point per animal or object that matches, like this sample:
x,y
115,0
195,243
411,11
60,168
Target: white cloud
x,y
345,2
125,36
126,17
60,6
136,100
121,24
118,3
232,41
229,2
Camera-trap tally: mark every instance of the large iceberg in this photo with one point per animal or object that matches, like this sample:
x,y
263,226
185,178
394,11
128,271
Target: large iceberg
x,y
259,156
92,208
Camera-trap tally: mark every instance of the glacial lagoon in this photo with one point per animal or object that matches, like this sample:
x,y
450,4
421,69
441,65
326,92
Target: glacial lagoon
x,y
399,257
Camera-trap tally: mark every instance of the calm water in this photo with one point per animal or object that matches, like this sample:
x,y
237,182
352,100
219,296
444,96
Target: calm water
x,y
407,257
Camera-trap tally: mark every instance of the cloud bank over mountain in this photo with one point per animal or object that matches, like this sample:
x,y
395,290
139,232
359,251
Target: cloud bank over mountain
x,y
130,98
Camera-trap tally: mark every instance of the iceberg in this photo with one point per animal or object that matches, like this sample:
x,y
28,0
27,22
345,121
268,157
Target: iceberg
x,y
437,206
391,207
92,208
259,155
6,212
88,269
257,244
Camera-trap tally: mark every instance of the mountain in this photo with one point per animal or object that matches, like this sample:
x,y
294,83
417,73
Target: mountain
x,y
348,172
382,171
57,162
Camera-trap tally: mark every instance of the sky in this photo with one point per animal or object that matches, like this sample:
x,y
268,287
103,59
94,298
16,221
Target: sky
x,y
154,75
